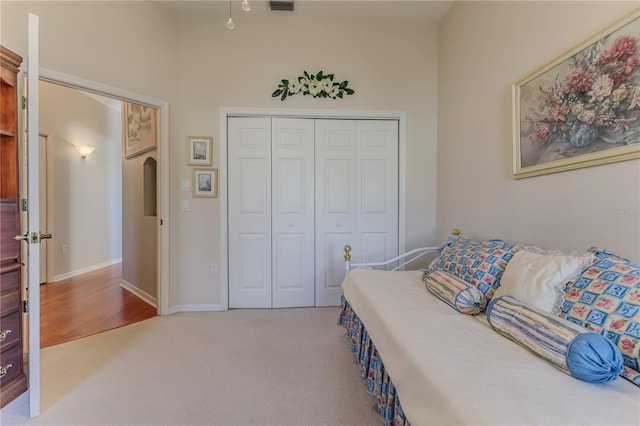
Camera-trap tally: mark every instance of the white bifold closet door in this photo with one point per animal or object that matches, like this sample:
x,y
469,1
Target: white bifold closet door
x,y
299,190
271,212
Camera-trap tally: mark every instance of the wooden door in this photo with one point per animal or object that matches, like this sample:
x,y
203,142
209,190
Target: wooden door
x,y
13,380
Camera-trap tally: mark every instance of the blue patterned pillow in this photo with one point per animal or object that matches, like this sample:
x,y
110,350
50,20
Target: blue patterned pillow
x,y
606,299
480,263
581,353
457,293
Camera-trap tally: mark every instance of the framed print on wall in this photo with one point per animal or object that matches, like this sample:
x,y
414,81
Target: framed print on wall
x,y
582,108
139,129
200,151
205,183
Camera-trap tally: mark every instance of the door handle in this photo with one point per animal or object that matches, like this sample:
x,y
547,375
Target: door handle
x,y
33,237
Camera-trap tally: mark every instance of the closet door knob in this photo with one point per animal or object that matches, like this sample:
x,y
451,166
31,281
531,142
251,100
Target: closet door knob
x,y
290,225
338,224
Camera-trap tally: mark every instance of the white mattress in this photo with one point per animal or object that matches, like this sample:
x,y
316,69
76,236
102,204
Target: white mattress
x,y
450,368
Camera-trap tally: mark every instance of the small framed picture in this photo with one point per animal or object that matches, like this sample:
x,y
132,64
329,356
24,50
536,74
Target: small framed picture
x,y
199,151
205,183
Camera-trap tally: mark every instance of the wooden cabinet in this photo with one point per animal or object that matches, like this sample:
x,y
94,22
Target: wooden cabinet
x,y
13,380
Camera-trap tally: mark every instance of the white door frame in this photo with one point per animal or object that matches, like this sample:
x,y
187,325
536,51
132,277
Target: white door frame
x,y
226,112
163,165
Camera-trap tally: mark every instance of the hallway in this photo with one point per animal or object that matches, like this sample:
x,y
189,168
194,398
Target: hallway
x,y
88,304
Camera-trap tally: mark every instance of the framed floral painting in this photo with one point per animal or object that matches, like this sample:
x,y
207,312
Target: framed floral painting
x,y
139,129
582,108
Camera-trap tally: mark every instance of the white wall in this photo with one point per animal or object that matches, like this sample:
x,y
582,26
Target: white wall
x,y
484,48
87,202
198,66
130,45
391,66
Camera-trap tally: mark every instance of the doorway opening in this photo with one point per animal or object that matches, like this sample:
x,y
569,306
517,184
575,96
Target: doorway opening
x,y
90,269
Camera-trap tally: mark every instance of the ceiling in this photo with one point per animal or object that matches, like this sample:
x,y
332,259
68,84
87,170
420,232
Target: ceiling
x,y
423,11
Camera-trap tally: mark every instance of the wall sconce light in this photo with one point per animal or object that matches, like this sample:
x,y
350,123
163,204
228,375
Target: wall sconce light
x,y
84,150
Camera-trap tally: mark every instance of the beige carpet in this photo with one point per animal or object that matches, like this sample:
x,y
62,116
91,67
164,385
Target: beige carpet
x,y
241,367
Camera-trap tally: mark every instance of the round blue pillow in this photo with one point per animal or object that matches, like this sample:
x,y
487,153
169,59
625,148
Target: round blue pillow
x,y
593,358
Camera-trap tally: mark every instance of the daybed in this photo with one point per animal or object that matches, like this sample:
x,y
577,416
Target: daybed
x,y
427,363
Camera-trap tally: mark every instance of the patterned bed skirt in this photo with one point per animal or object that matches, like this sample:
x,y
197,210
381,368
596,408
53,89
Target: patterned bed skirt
x,y
379,383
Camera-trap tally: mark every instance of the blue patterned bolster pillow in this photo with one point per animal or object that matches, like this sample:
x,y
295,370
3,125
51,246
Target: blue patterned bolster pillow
x,y
569,347
457,293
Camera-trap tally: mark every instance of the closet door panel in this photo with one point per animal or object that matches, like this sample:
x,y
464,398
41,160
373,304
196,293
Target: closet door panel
x,y
333,266
356,198
249,165
338,187
288,274
378,189
375,246
373,186
254,187
253,262
336,204
293,212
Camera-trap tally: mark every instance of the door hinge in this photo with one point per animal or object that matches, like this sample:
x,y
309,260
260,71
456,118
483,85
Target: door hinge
x,y
24,102
25,306
24,205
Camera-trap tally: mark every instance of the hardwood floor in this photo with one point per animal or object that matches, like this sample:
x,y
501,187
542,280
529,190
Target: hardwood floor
x,y
88,304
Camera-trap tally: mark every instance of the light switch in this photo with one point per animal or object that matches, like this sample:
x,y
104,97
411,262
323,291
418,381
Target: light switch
x,y
185,185
185,205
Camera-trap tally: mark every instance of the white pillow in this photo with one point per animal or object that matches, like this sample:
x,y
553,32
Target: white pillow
x,y
539,279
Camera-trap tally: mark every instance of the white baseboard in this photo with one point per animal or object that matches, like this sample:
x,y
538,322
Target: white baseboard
x,y
87,269
196,308
141,294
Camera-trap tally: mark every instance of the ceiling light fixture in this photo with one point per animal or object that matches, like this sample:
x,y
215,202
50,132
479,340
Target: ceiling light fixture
x,y
230,23
246,6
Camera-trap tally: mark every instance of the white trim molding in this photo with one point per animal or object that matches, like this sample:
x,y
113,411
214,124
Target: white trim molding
x,y
141,294
196,308
87,269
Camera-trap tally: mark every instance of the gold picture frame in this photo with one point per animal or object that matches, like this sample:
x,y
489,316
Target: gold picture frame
x,y
199,151
582,108
205,183
139,129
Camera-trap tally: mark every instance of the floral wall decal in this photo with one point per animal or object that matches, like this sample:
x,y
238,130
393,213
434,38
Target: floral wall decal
x,y
317,85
